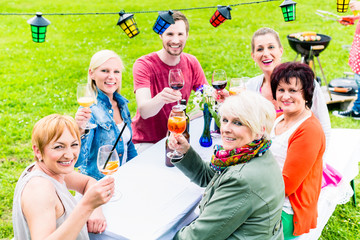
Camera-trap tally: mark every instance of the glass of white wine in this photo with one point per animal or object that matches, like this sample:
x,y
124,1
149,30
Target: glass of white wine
x,y
112,164
86,97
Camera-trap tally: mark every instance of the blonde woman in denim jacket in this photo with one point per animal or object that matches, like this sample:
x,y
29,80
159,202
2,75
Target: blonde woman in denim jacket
x,y
110,113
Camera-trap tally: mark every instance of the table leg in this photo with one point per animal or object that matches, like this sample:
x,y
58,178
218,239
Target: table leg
x,y
352,183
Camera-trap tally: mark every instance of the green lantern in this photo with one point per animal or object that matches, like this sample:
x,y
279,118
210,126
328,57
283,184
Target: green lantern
x,y
38,26
288,10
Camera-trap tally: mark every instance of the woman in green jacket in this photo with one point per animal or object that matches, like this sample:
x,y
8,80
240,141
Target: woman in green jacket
x,y
244,187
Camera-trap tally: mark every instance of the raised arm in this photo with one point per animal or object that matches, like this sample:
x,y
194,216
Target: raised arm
x,y
149,106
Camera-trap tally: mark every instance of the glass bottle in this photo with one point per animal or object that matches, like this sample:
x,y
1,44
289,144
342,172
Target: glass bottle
x,y
186,133
167,149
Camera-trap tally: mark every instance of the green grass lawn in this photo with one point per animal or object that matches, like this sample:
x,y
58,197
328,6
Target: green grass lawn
x,y
40,79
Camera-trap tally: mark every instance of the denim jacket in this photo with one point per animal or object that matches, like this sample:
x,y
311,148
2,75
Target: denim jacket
x,y
105,133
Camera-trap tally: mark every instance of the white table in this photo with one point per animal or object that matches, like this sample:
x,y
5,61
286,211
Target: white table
x,y
156,200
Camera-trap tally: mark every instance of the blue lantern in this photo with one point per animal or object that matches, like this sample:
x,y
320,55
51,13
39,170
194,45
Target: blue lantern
x,y
163,21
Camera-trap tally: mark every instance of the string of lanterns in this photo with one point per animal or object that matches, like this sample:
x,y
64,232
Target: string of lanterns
x,y
128,24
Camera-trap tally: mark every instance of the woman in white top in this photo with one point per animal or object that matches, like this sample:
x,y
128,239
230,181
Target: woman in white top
x,y
266,51
43,207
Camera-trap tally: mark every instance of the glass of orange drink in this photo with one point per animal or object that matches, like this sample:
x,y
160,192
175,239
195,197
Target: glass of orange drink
x,y
176,125
237,85
111,166
86,97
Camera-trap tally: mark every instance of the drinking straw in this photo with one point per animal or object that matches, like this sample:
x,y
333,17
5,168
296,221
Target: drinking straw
x,y
112,150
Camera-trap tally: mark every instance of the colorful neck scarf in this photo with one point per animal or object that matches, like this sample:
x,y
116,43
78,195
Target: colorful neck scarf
x,y
225,158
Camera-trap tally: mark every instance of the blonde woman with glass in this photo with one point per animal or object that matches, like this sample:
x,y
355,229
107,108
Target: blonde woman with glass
x,y
110,113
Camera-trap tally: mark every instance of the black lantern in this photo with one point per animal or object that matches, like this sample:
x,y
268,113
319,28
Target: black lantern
x,y
163,21
288,10
222,13
38,26
128,24
342,5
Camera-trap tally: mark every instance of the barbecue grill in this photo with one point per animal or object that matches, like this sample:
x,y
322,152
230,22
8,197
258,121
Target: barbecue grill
x,y
304,47
309,49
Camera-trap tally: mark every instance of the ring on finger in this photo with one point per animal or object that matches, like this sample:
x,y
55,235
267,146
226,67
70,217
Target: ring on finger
x,y
109,193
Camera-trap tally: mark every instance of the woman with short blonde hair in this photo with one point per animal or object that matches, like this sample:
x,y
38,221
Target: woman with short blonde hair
x,y
244,188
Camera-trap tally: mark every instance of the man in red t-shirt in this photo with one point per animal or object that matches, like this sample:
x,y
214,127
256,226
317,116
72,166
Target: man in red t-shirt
x,y
154,97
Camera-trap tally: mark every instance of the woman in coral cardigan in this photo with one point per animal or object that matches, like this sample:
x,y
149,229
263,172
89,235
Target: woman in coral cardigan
x,y
298,146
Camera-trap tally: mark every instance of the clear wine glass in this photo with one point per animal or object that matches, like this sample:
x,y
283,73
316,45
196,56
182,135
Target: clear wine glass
x,y
176,125
111,166
237,85
86,97
219,80
176,80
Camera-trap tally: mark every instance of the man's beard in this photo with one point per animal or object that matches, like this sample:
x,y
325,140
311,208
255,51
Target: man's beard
x,y
172,54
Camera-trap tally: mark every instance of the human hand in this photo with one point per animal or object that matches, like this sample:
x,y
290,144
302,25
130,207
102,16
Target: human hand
x,y
169,95
96,222
220,96
178,142
82,116
354,5
99,193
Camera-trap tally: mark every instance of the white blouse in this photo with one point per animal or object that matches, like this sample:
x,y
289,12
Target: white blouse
x,y
126,135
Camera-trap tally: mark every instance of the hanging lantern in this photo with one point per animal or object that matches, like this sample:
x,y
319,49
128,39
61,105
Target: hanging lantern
x,y
38,26
288,10
163,21
222,13
128,24
342,5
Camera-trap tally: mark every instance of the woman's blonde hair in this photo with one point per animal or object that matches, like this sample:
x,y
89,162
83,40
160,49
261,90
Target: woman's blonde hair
x,y
97,60
50,128
252,110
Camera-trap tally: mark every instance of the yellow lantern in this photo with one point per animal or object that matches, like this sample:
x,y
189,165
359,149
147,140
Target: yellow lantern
x,y
342,5
128,24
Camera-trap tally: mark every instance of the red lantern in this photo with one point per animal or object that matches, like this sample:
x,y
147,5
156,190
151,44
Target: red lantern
x,y
222,13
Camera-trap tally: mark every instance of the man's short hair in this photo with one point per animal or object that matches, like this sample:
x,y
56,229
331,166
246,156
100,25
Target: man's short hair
x,y
178,16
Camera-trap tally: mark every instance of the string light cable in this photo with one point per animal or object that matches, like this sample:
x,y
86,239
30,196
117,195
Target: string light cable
x,y
127,22
138,12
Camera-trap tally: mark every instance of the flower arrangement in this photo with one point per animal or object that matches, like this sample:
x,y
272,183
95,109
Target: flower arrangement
x,y
205,94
